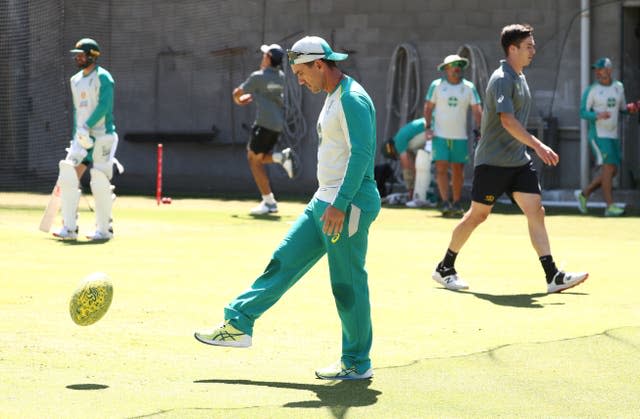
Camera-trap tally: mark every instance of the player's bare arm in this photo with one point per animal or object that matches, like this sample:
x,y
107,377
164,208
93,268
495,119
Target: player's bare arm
x,y
476,111
428,114
515,128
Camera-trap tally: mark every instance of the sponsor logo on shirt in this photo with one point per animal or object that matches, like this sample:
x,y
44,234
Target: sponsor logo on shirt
x,y
274,87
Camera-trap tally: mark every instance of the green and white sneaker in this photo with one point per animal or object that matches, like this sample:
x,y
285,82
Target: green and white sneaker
x,y
582,201
224,335
339,371
613,211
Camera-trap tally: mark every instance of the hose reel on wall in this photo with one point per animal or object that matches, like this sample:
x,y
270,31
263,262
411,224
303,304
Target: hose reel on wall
x,y
404,95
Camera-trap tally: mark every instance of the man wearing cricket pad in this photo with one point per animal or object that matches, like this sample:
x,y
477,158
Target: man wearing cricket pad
x,y
335,222
94,143
407,145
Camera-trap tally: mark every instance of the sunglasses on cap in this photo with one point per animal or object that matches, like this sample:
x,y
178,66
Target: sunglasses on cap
x,y
294,55
460,64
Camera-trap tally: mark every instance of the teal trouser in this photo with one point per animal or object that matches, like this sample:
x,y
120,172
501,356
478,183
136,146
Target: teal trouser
x,y
302,247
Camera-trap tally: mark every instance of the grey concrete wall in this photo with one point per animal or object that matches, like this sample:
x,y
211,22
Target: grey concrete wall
x,y
175,64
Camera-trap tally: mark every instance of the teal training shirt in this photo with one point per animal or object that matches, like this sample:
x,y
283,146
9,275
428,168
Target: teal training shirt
x,y
407,132
92,96
507,92
346,153
600,98
451,102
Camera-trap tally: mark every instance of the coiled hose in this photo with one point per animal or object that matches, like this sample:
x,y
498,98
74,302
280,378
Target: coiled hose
x,y
404,95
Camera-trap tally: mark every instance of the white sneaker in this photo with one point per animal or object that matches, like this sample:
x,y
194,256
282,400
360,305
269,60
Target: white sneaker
x,y
264,208
417,203
224,335
290,162
100,236
66,234
398,198
449,279
565,280
339,371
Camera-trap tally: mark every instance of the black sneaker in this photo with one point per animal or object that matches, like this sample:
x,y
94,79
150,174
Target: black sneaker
x,y
446,209
457,210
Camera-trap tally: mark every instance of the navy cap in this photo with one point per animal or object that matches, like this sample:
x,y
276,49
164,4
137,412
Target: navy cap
x,y
275,51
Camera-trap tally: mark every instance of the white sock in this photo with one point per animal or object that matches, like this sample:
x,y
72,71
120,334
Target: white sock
x,y
277,157
269,199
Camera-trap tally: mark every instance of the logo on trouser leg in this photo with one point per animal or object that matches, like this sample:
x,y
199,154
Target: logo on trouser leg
x,y
335,238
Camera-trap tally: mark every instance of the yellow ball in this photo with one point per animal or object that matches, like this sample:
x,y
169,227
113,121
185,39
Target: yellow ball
x,y
91,299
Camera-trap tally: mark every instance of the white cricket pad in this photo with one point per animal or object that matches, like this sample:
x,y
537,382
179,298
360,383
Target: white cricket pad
x,y
103,154
69,193
101,189
423,175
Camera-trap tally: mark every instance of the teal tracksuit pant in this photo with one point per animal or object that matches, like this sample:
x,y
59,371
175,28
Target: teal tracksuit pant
x,y
302,247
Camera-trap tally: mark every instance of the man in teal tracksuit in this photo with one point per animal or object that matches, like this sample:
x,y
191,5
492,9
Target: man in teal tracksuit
x,y
335,222
601,104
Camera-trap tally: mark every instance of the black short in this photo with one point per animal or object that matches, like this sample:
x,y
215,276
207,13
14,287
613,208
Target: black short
x,y
489,182
262,139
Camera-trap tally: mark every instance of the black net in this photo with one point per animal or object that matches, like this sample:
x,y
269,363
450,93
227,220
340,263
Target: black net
x,y
174,64
33,111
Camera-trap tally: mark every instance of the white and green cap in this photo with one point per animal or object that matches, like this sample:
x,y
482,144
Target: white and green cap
x,y
603,62
455,60
311,48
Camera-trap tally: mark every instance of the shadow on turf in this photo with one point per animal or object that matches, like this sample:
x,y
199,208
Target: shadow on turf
x,y
87,386
516,300
266,217
81,242
339,397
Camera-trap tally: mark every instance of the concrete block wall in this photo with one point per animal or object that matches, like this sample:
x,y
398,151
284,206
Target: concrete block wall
x,y
175,64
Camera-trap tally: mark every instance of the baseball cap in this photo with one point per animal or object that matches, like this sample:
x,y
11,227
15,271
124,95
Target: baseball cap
x,y
311,48
603,62
454,58
275,51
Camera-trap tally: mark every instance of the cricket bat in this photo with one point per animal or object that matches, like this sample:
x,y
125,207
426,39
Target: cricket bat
x,y
51,211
